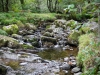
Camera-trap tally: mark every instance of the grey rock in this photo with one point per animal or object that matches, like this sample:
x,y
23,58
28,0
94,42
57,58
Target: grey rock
x,y
75,70
65,67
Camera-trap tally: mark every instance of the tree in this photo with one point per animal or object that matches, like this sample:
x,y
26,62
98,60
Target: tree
x,y
98,11
53,5
22,3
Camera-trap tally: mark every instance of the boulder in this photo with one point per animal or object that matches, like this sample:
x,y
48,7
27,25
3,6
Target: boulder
x,y
65,66
75,70
48,34
72,24
30,26
11,29
73,37
8,41
60,22
49,39
90,27
16,36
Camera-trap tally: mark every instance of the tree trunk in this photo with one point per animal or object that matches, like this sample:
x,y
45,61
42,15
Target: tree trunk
x,y
6,6
52,5
2,3
22,3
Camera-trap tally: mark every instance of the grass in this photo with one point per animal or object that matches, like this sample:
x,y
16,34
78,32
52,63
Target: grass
x,y
88,55
25,17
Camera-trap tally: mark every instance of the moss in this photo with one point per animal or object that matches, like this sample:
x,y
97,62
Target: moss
x,y
24,46
74,35
85,40
72,24
88,53
13,64
11,29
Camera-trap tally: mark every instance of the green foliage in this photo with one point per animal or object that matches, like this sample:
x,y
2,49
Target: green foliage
x,y
14,18
2,32
88,54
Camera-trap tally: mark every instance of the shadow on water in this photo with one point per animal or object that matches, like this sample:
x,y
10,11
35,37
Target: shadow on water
x,y
52,54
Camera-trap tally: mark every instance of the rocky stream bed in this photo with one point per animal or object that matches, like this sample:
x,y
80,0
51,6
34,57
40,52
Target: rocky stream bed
x,y
43,50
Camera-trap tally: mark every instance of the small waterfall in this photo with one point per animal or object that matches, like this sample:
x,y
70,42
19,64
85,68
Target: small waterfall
x,y
40,43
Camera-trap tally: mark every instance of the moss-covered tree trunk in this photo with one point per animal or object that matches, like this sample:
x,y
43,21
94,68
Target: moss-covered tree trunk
x,y
99,25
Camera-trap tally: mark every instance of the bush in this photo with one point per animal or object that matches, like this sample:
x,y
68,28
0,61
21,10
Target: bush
x,y
2,32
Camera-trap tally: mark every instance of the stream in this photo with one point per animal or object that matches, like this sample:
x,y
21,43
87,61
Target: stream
x,y
52,53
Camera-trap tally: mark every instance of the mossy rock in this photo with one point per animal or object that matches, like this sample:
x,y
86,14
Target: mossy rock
x,y
7,41
16,36
74,35
90,27
30,26
48,34
11,29
25,46
60,22
20,25
49,30
72,24
49,39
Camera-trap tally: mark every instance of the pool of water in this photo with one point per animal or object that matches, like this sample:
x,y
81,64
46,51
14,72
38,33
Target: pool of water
x,y
52,54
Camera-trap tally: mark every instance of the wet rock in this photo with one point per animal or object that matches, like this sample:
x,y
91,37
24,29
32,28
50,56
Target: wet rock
x,y
57,47
75,70
66,47
65,66
23,63
11,29
66,59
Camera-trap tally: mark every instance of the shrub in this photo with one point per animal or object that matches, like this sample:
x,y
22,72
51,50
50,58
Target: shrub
x,y
2,32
